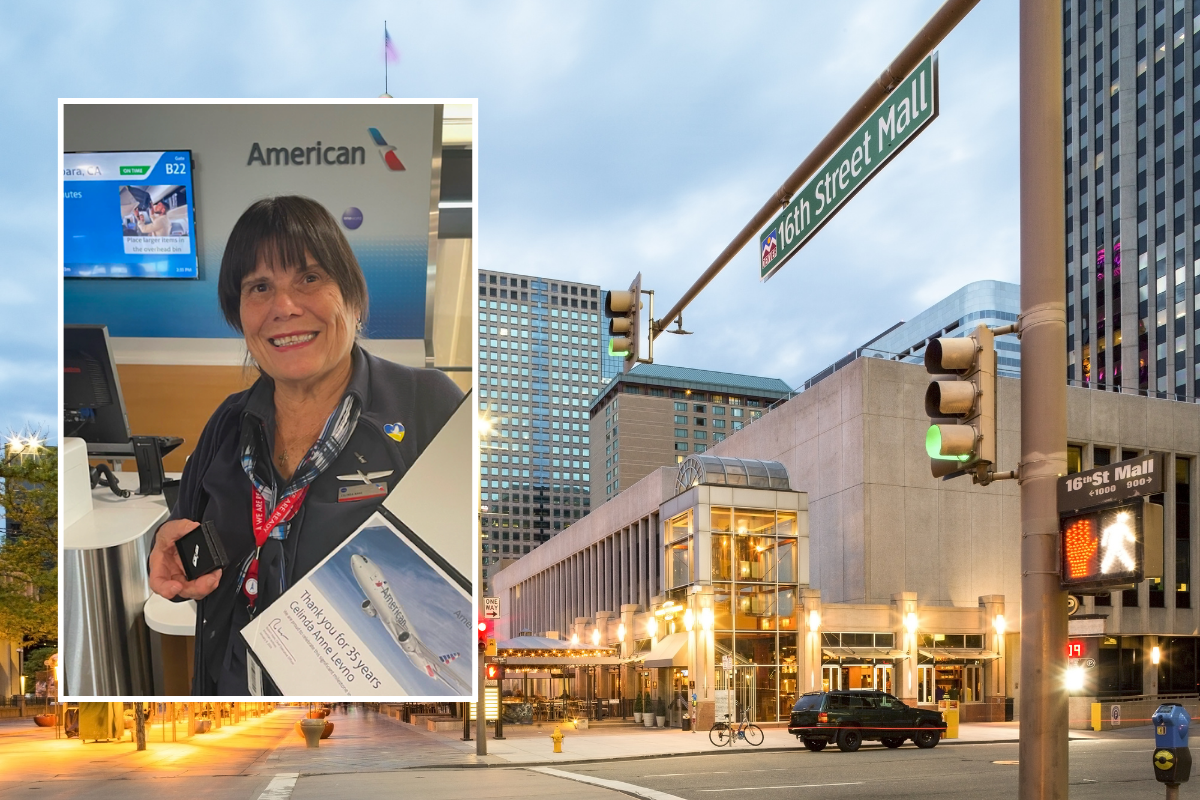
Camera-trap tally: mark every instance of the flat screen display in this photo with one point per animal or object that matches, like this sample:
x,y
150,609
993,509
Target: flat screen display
x,y
129,215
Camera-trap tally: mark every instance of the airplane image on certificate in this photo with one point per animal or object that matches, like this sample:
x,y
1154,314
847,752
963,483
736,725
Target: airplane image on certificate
x,y
382,604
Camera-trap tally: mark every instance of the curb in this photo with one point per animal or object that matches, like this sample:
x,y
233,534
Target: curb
x,y
610,759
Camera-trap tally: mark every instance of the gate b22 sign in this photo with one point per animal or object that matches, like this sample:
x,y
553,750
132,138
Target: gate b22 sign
x,y
906,112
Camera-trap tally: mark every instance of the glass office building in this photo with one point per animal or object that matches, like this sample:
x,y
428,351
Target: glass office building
x,y
1130,70
539,369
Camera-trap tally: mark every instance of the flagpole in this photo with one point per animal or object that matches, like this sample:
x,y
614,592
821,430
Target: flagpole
x,y
385,70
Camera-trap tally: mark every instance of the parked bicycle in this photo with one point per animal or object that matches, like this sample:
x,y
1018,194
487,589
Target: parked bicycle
x,y
726,733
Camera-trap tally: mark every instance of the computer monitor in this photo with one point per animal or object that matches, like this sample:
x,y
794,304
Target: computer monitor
x,y
93,408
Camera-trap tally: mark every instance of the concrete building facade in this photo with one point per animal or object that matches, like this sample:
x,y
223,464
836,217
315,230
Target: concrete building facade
x,y
913,583
656,415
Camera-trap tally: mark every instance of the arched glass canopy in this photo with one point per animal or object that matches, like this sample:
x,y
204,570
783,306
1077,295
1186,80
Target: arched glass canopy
x,y
724,471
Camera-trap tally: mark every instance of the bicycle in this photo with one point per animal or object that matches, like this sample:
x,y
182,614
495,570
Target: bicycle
x,y
723,733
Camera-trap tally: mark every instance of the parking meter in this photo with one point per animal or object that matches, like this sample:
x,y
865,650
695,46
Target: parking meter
x,y
1172,756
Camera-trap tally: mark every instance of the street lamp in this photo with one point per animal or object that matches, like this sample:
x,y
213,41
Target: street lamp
x,y
706,618
574,638
1155,655
689,620
814,620
652,627
595,637
621,631
999,624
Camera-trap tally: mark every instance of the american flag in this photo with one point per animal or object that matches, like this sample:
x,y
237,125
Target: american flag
x,y
389,49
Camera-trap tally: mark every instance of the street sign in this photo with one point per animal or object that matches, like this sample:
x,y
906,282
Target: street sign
x,y
906,112
491,608
726,662
1136,477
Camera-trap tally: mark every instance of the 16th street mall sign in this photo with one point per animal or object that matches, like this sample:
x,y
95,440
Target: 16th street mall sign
x,y
907,110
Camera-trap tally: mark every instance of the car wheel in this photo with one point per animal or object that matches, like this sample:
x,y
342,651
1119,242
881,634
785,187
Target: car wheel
x,y
927,738
893,741
816,745
849,740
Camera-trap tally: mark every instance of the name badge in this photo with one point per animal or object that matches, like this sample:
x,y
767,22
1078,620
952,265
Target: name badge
x,y
348,494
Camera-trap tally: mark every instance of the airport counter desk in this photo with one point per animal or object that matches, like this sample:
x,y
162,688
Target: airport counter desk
x,y
118,639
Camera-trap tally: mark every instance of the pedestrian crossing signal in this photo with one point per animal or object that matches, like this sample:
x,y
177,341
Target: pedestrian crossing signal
x,y
1103,548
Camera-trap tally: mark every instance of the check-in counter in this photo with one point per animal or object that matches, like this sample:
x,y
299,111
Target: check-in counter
x,y
106,540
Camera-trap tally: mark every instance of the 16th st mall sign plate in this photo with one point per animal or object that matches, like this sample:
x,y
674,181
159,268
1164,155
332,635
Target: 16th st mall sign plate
x,y
906,112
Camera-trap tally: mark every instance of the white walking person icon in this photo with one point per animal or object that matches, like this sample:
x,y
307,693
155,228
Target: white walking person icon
x,y
1113,543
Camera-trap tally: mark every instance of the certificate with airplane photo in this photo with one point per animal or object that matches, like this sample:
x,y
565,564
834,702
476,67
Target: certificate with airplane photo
x,y
382,616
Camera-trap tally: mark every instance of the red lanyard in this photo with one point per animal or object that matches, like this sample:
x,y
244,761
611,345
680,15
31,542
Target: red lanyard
x,y
263,525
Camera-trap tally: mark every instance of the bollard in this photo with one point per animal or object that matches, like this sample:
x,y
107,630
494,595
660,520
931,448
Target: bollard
x,y
312,730
557,738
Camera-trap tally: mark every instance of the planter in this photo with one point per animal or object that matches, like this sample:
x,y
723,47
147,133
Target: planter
x,y
637,717
648,719
203,725
45,720
662,721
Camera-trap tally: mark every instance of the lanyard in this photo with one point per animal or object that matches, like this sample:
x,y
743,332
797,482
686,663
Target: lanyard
x,y
263,525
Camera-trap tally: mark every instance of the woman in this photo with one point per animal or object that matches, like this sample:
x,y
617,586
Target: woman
x,y
266,469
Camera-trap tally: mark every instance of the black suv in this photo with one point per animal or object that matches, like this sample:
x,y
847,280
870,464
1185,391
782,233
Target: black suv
x,y
849,717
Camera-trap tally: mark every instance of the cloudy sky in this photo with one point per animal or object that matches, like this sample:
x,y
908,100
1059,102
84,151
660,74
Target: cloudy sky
x,y
614,137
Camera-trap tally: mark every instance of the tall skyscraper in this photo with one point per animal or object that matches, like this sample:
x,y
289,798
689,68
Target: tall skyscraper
x,y
539,369
1130,71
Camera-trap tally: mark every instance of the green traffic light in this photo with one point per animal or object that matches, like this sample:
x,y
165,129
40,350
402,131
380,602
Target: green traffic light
x,y
933,445
612,352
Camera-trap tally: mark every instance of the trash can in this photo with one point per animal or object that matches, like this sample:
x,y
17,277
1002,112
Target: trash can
x,y
687,722
1008,709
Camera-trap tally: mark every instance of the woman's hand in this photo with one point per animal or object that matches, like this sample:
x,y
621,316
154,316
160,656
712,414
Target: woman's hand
x,y
167,577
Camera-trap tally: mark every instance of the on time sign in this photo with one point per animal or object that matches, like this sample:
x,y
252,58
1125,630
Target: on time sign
x,y
906,112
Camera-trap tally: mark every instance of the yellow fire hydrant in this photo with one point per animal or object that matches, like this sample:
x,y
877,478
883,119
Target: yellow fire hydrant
x,y
557,738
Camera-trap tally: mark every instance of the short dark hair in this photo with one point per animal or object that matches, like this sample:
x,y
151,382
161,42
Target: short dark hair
x,y
281,230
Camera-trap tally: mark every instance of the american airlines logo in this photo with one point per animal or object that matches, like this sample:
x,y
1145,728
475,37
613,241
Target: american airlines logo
x,y
386,151
321,154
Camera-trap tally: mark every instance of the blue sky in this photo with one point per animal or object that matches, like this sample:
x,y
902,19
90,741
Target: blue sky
x,y
614,137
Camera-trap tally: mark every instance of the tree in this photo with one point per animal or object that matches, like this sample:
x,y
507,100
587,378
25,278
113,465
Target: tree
x,y
29,550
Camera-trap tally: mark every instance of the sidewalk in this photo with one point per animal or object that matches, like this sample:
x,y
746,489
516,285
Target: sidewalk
x,y
364,741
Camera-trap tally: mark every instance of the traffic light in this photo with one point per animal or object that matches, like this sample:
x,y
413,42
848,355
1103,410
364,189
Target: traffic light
x,y
622,309
962,409
485,633
491,671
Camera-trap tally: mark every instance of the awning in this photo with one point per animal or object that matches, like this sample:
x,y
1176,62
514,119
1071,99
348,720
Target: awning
x,y
671,651
960,654
885,653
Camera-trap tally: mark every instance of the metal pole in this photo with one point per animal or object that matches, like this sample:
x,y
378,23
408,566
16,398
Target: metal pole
x,y
481,710
1043,701
466,712
500,703
940,24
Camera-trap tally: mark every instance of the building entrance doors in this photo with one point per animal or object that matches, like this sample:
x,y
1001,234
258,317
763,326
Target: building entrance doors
x,y
925,683
831,678
883,678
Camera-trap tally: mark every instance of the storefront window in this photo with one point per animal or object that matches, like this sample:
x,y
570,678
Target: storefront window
x,y
753,557
679,561
722,520
722,558
756,648
786,561
753,604
679,526
722,620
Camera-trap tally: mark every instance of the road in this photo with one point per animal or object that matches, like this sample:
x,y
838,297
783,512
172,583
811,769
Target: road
x,y
371,755
1100,769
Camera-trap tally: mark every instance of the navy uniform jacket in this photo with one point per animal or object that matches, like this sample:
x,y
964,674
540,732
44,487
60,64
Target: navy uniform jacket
x,y
215,488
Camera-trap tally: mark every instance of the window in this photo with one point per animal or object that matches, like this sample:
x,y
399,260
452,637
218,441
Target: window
x,y
681,433
681,406
681,446
696,434
700,422
718,423
700,448
718,411
680,420
698,408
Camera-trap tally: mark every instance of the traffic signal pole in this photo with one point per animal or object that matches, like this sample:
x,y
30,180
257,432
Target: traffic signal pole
x,y
1043,694
939,25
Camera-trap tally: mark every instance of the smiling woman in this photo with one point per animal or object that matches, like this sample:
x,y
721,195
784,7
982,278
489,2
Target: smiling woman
x,y
265,469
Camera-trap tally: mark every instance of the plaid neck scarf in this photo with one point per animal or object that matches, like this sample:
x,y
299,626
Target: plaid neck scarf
x,y
256,462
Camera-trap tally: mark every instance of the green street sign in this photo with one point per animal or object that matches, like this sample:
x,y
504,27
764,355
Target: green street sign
x,y
135,170
906,112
